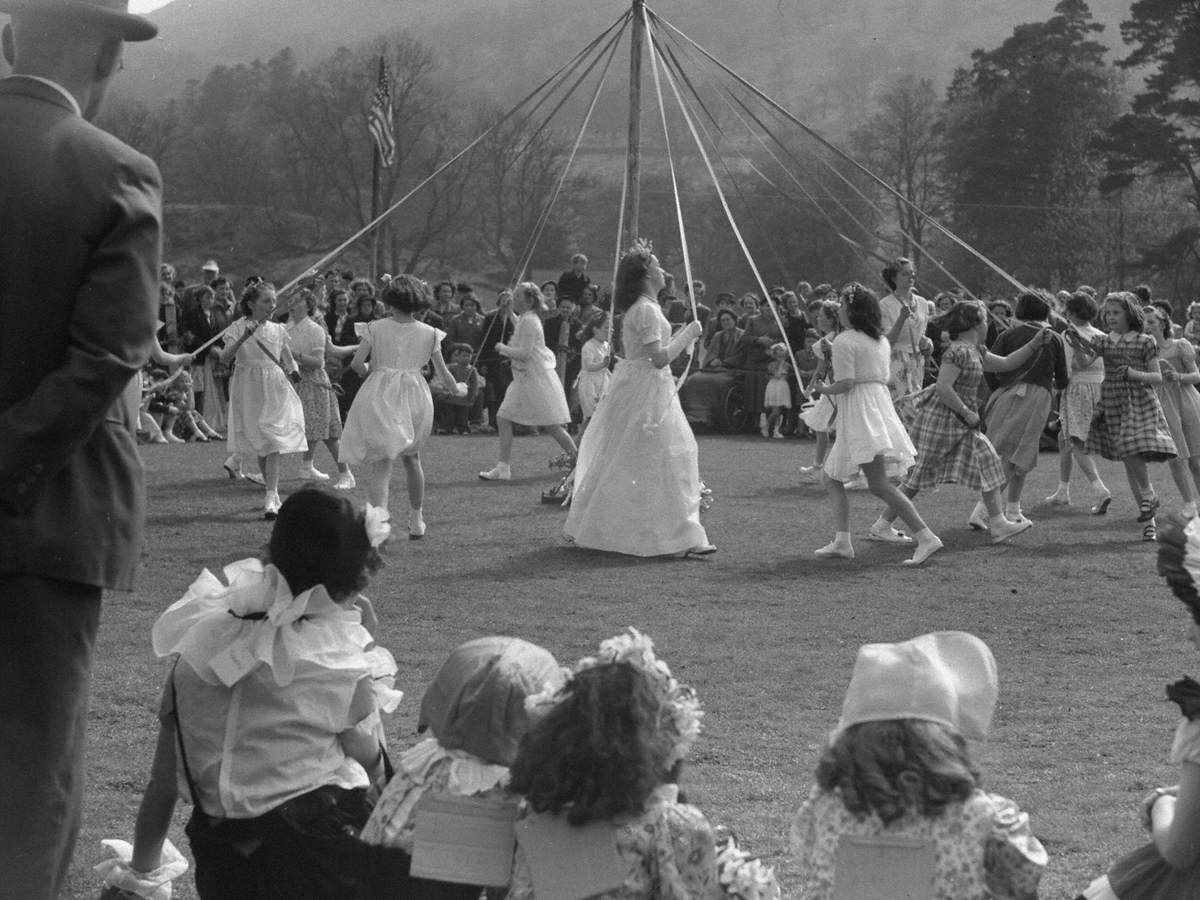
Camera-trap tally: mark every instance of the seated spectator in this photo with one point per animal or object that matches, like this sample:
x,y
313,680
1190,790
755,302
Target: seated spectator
x,y
898,765
726,348
452,413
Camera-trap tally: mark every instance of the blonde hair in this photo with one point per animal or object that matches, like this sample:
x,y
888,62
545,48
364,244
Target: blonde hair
x,y
534,294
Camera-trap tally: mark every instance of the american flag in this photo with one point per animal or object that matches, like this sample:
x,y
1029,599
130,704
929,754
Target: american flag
x,y
379,117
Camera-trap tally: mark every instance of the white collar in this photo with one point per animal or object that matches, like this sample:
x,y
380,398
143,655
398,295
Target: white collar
x,y
58,87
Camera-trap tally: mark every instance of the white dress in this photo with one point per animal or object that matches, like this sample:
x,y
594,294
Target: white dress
x,y
535,396
392,414
637,483
591,386
265,415
867,424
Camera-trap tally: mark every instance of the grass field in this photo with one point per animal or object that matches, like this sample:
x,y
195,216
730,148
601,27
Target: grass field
x,y
1085,633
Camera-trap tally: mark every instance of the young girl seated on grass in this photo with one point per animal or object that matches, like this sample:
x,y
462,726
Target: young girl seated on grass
x,y
269,721
898,765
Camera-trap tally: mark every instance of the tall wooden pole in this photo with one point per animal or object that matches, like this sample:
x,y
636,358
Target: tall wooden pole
x,y
633,159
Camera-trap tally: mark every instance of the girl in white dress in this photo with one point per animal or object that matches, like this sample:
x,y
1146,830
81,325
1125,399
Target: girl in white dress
x,y
392,414
594,375
536,396
265,414
870,434
637,483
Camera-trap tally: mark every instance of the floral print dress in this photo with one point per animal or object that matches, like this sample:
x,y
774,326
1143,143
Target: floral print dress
x,y
669,852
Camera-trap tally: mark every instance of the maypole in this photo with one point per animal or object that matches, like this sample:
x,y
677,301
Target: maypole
x,y
633,159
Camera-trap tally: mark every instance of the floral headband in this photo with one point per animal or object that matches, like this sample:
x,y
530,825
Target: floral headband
x,y
640,248
681,711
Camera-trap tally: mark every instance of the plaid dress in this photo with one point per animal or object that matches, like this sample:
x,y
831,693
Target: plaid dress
x,y
1129,420
948,452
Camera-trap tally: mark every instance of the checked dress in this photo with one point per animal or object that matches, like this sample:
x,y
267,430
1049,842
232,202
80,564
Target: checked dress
x,y
948,452
1129,420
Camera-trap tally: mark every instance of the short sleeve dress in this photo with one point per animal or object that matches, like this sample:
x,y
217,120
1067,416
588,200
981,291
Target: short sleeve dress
x,y
536,396
867,423
1130,420
983,847
669,852
1180,402
392,414
322,419
265,412
948,452
590,386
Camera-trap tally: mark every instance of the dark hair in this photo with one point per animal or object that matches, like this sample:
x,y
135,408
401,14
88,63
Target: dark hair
x,y
1033,306
405,293
726,311
470,298
1082,305
862,310
203,291
363,282
441,284
252,292
595,754
592,289
892,269
338,292
1134,316
550,284
459,347
1008,310
1162,315
347,274
961,318
320,538
370,301
896,767
1142,292
632,271
310,300
222,281
588,331
1166,307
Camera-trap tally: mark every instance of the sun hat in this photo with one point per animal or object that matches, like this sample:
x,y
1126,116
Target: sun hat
x,y
110,15
947,677
211,265
476,702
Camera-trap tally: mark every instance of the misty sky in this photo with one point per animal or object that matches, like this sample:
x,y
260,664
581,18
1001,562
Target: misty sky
x,y
144,6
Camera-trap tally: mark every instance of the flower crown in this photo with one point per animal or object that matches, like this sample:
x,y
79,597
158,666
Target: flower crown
x,y
640,248
680,711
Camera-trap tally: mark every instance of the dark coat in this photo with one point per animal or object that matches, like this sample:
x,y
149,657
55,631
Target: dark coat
x,y
79,256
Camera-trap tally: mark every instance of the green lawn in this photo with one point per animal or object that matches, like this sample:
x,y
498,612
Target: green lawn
x,y
1085,633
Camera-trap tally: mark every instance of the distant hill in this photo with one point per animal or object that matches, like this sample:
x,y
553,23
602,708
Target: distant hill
x,y
821,57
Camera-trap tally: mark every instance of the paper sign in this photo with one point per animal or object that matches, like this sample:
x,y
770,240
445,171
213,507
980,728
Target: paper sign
x,y
570,862
464,840
883,868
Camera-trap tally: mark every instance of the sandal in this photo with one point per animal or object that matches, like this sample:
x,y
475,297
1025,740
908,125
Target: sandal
x,y
1150,531
1147,508
1102,507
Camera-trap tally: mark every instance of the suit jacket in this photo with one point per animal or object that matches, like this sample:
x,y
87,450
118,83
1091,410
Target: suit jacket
x,y
200,331
79,256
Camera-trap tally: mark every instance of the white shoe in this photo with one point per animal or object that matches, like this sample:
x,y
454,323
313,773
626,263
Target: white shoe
x,y
810,474
310,473
778,435
344,482
834,551
499,472
888,535
1058,498
271,504
255,478
857,483
1019,518
1009,529
978,520
924,551
416,525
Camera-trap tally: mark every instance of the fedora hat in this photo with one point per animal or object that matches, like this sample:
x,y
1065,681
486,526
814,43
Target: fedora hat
x,y
110,15
947,677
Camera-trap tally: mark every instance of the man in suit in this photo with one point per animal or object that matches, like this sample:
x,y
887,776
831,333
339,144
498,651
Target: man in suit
x,y
84,211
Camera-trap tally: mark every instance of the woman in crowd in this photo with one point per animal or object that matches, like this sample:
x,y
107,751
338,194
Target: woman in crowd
x,y
1019,407
467,326
899,766
727,346
1180,402
870,436
905,316
536,396
637,484
266,417
322,419
1130,425
1078,404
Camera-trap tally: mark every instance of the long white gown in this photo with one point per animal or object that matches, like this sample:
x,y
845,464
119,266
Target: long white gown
x,y
637,483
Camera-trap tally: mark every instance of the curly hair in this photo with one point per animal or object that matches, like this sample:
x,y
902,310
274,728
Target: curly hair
x,y
251,294
632,271
862,310
596,753
531,292
588,331
1082,305
898,766
1128,302
830,309
892,269
405,293
320,538
961,318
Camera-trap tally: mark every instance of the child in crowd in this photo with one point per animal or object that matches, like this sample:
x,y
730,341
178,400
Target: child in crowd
x,y
451,412
392,415
819,415
536,396
269,720
898,766
1169,865
778,397
1191,329
1179,401
594,374
625,720
475,710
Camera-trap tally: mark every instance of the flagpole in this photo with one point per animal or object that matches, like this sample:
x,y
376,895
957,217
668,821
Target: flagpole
x,y
375,187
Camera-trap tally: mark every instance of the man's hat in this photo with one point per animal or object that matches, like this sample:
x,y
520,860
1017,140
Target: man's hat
x,y
211,265
110,15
